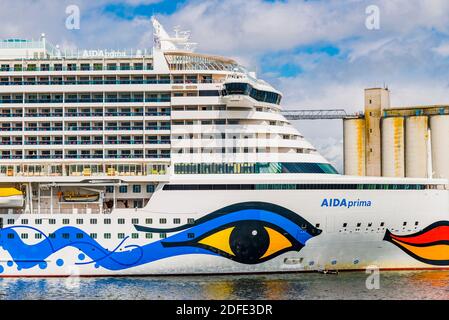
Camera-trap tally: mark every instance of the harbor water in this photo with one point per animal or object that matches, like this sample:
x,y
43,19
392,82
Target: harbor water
x,y
419,285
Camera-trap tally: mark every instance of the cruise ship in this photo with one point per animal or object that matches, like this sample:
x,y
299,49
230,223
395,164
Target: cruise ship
x,y
170,162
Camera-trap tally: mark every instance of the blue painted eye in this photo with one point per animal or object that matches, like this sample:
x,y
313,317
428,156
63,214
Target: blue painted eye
x,y
248,233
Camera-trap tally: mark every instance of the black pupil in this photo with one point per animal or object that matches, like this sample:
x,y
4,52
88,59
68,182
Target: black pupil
x,y
249,241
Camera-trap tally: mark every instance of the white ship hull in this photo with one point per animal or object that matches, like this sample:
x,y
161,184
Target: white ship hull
x,y
346,238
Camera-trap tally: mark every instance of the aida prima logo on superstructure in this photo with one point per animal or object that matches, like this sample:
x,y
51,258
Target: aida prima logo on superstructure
x,y
331,202
104,53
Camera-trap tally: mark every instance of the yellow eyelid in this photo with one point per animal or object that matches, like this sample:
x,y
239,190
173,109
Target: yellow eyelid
x,y
278,242
219,240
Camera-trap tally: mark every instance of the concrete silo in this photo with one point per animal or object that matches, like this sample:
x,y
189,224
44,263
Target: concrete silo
x,y
354,147
440,145
416,140
393,147
376,100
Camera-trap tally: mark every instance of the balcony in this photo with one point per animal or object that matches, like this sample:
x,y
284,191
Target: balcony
x,y
85,128
124,128
158,142
123,114
10,115
86,100
124,156
76,68
157,128
158,114
84,156
71,142
10,129
44,115
158,156
32,101
130,142
84,114
44,129
44,157
36,143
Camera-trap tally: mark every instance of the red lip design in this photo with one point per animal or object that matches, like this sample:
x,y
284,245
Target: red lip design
x,y
430,245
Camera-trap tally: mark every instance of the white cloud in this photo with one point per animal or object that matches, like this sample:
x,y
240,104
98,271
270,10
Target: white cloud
x,y
442,49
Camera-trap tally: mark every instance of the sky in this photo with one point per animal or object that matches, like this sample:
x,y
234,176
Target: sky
x,y
321,54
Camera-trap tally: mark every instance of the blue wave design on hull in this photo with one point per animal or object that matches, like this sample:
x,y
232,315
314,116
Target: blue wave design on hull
x,y
123,256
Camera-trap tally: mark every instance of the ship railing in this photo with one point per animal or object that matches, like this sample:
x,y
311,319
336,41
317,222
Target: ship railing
x,y
103,82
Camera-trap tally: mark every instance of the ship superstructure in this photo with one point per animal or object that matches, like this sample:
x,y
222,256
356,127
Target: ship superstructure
x,y
118,162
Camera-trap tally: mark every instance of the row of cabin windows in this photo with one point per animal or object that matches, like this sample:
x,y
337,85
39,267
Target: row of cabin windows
x,y
92,235
302,187
106,221
137,188
382,224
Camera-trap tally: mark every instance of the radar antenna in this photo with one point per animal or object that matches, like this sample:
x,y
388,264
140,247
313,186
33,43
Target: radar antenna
x,y
163,41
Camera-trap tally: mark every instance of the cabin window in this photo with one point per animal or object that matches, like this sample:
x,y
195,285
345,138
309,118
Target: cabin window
x,y
107,221
121,236
135,236
93,221
38,235
38,221
176,221
93,235
24,221
107,236
162,235
162,221
121,221
149,221
149,236
65,236
79,236
65,221
10,221
137,188
135,221
79,221
24,236
123,189
191,221
52,221
190,235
